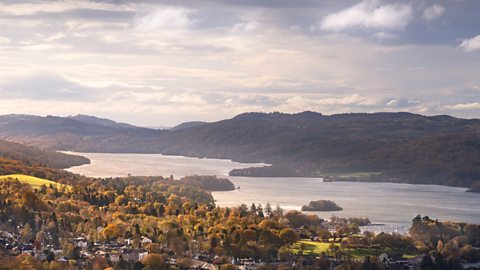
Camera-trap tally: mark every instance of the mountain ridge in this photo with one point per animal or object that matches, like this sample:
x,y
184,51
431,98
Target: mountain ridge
x,y
403,146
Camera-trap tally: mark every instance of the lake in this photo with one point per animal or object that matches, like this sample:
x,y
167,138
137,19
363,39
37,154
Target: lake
x,y
113,165
389,204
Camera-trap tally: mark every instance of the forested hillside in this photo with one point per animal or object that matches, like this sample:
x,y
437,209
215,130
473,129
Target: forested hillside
x,y
403,147
400,147
34,156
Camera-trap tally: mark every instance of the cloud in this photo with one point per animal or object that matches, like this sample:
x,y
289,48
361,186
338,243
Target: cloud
x,y
433,12
46,87
246,27
369,15
382,36
326,104
167,18
160,62
401,103
45,47
465,106
4,40
471,44
31,8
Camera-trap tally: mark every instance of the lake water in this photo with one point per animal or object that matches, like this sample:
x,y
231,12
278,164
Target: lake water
x,y
393,205
113,165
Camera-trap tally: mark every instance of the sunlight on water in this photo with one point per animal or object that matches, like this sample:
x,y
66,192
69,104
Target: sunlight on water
x,y
390,206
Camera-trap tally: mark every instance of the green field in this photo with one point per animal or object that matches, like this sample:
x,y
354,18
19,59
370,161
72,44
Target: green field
x,y
35,182
316,248
311,247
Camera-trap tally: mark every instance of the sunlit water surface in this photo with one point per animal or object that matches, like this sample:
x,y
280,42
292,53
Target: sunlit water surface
x,y
392,206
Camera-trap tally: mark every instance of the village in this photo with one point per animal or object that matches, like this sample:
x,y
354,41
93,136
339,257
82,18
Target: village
x,y
80,252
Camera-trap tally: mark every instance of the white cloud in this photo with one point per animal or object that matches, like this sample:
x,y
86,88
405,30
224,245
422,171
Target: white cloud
x,y
465,106
471,44
369,14
4,40
165,19
246,27
433,12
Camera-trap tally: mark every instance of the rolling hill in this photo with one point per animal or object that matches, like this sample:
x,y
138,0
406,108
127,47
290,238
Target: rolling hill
x,y
35,182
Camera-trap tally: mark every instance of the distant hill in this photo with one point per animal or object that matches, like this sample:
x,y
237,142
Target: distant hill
x,y
78,133
400,147
188,125
100,121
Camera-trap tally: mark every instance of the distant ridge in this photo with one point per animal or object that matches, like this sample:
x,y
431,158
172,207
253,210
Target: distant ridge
x,y
400,147
100,121
187,125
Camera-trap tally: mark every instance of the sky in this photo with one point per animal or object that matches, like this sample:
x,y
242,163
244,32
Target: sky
x,y
163,62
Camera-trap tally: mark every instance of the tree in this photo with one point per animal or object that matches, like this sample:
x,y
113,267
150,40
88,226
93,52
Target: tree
x,y
289,235
469,253
112,231
368,264
50,256
26,233
296,218
253,208
284,254
73,252
324,262
278,211
121,264
40,236
155,261
121,200
250,235
268,209
324,234
427,263
30,200
440,261
472,232
439,245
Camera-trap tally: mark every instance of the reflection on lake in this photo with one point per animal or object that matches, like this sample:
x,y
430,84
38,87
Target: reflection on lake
x,y
112,165
393,205
387,203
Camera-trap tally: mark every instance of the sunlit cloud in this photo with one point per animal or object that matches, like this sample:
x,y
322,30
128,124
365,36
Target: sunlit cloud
x,y
369,14
162,62
465,106
471,44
